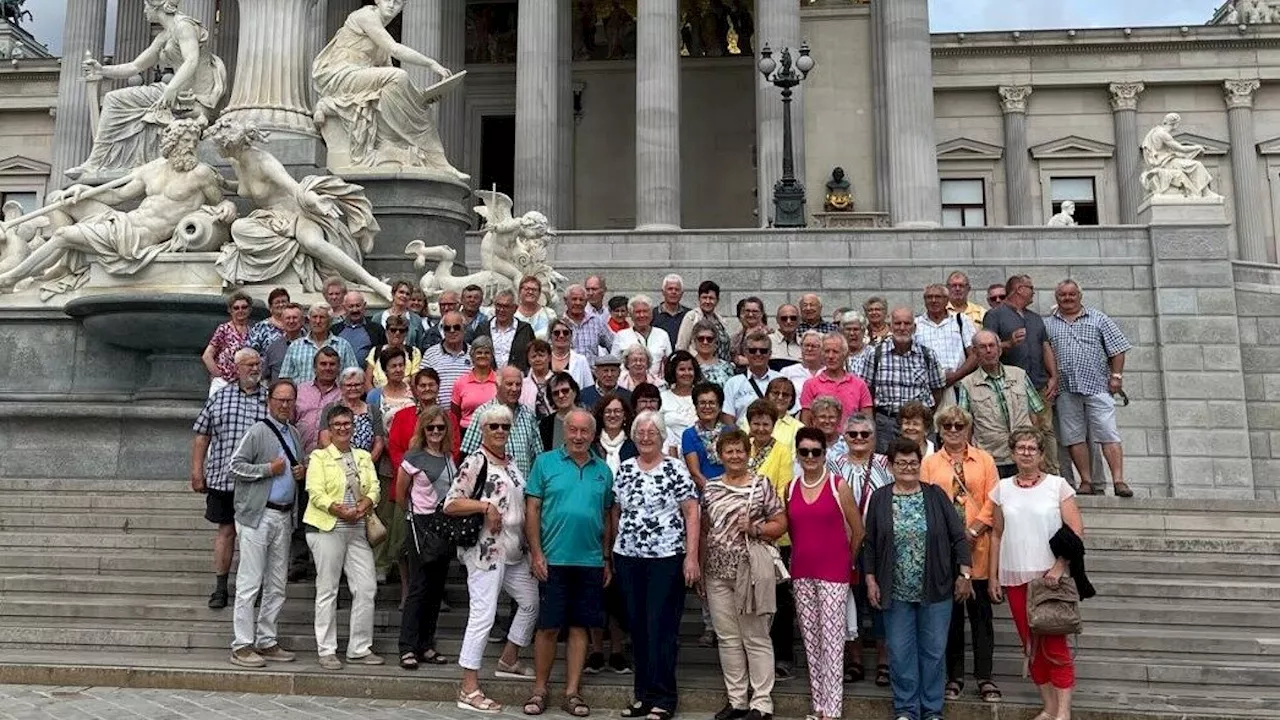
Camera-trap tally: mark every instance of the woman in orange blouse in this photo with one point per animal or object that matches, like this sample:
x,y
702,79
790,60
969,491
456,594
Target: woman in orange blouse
x,y
967,474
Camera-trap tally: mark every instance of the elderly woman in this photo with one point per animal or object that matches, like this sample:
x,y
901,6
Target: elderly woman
x,y
423,481
476,387
647,396
915,423
742,508
876,310
639,369
564,394
655,556
395,394
751,317
825,414
714,368
264,332
369,432
499,561
853,326
915,542
613,419
811,362
698,443
678,412
826,532
708,300
397,337
968,476
781,394
342,490
219,356
1028,510
400,292
531,309
535,395
564,358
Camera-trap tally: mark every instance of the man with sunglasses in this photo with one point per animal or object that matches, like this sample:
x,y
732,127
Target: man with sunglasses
x,y
432,334
356,327
786,339
995,295
745,388
449,358
511,336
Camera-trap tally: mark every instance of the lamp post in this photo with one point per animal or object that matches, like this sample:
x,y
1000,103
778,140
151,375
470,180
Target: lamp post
x,y
788,193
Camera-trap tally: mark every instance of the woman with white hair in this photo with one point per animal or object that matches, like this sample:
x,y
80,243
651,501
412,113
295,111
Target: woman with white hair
x,y
643,333
639,369
369,433
564,358
655,556
490,484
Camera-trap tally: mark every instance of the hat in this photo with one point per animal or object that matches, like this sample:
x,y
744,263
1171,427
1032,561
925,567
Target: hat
x,y
609,359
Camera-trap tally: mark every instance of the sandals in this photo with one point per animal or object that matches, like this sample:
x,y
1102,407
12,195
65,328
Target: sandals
x,y
854,672
1085,489
431,657
1123,490
953,689
988,691
658,713
475,701
634,710
536,704
882,675
409,661
575,707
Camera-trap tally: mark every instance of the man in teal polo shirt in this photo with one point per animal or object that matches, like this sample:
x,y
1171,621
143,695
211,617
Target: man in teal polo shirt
x,y
567,502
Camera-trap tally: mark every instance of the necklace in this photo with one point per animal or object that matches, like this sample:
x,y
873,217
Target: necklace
x,y
818,483
1025,483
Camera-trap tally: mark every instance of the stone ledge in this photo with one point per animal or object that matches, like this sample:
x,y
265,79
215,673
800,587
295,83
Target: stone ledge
x,y
83,407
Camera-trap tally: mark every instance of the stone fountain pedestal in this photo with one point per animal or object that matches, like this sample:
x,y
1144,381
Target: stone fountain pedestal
x,y
413,206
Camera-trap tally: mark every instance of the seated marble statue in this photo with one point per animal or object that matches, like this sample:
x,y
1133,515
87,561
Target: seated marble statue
x,y
320,226
132,118
385,120
1066,217
839,194
170,188
1172,168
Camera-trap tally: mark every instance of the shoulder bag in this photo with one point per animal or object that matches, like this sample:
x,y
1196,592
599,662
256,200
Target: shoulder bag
x,y
374,529
439,533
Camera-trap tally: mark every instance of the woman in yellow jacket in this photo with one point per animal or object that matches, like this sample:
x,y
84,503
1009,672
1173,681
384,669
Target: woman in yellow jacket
x,y
343,489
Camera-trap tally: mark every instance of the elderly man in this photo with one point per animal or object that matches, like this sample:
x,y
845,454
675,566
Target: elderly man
x,y
591,333
472,298
835,381
511,337
786,339
266,467
524,443
299,359
670,312
745,388
570,533
357,328
335,293
810,361
606,369
642,332
315,395
811,316
948,335
1090,350
1000,398
273,355
958,298
596,290
431,334
227,416
450,358
899,371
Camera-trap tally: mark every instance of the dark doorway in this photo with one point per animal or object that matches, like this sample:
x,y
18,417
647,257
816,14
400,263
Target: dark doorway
x,y
498,153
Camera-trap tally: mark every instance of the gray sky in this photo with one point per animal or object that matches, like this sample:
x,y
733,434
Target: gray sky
x,y
947,15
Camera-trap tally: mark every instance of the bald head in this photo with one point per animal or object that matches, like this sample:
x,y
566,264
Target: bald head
x,y
353,305
903,326
510,383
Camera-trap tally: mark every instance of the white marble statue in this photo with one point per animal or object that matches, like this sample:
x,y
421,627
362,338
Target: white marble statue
x,y
19,237
1172,167
1065,217
369,112
512,248
320,226
132,118
169,189
1256,12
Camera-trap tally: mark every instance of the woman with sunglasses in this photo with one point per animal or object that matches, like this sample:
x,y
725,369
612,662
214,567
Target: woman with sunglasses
x,y
564,358
563,390
967,475
397,337
423,480
826,532
401,291
265,332
714,368
219,356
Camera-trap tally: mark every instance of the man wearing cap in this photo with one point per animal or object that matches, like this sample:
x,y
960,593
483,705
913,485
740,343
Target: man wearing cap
x,y
606,369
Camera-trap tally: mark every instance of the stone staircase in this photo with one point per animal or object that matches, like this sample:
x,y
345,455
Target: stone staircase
x,y
1187,619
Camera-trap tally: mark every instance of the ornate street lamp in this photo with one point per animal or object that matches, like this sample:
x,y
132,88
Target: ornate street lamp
x,y
788,193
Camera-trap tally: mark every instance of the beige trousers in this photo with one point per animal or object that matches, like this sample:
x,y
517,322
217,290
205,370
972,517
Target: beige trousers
x,y
746,652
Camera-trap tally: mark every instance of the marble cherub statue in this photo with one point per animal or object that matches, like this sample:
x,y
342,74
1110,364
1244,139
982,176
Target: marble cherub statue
x,y
1066,217
1172,167
370,113
512,247
839,192
320,226
85,224
132,118
19,237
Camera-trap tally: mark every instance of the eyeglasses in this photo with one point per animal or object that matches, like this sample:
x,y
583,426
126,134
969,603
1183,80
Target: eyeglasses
x,y
561,333
499,427
448,304
995,298
397,330
452,328
562,391
708,404
758,351
1026,449
341,425
706,338
435,428
954,426
788,318
809,452
858,434
907,464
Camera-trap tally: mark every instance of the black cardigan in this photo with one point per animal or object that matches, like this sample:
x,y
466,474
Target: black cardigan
x,y
1067,545
946,548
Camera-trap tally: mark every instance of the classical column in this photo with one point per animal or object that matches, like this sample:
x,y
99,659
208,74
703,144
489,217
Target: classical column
x,y
438,30
228,34
537,165
1017,160
778,25
658,115
336,12
1251,235
914,198
1124,116
879,124
84,30
205,11
567,128
133,32
273,72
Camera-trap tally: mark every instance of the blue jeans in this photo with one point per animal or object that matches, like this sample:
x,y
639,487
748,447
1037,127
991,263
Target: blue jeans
x,y
916,634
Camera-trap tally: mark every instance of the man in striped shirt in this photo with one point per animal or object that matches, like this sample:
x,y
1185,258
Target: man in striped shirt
x,y
450,358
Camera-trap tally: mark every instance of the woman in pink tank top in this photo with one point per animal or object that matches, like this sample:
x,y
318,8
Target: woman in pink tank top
x,y
826,530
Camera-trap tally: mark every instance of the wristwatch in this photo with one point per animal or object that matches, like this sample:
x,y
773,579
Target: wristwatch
x,y
1117,376
973,532
966,576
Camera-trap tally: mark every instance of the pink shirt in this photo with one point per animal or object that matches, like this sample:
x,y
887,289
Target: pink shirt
x,y
470,393
819,540
311,402
850,390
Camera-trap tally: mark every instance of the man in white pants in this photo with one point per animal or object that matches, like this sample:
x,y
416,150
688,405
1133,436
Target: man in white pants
x,y
266,469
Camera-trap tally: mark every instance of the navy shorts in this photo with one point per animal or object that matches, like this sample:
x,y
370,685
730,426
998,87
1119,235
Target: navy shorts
x,y
572,596
220,507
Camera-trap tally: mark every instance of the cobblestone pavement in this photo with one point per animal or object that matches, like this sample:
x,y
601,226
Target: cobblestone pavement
x,y
39,702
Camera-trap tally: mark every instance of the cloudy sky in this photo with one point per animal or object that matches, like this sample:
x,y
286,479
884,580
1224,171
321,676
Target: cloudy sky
x,y
947,15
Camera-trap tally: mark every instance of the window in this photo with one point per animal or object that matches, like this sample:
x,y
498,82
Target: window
x,y
28,200
964,203
1079,190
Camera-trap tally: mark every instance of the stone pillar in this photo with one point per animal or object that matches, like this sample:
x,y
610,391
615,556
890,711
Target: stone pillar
x,y
1124,115
565,139
228,35
336,12
1017,160
778,25
273,72
438,30
83,31
133,32
658,116
914,195
1251,234
204,11
879,124
537,165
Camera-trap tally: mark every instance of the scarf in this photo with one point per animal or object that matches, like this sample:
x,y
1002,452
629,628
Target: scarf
x,y
613,450
709,438
759,457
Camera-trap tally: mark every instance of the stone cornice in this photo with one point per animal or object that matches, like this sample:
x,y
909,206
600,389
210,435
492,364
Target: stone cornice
x,y
1108,41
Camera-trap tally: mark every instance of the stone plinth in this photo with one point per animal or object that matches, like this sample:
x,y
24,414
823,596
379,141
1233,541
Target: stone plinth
x,y
1173,210
412,207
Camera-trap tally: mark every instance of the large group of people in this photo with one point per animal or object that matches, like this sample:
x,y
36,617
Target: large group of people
x,y
872,475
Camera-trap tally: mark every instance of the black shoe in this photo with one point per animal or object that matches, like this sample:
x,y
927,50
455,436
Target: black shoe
x,y
595,663
757,715
619,663
729,712
218,599
783,671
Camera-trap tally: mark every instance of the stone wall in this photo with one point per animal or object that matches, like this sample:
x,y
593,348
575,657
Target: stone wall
x,y
1258,306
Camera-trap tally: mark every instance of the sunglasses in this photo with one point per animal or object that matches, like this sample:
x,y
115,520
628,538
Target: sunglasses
x,y
995,298
809,452
435,428
562,391
706,339
788,318
397,330
452,328
858,434
758,351
561,333
495,427
954,426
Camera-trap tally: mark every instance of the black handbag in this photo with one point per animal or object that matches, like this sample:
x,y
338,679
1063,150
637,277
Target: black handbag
x,y
437,534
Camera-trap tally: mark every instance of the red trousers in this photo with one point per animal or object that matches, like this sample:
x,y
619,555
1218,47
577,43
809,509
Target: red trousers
x,y
1051,661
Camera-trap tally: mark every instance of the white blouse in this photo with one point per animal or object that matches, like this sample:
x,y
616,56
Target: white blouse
x,y
1032,516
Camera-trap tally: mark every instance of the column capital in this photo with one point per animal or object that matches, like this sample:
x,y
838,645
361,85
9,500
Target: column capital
x,y
1239,93
1124,95
1013,98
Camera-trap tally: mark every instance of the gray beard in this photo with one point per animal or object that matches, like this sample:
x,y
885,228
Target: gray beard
x,y
183,163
